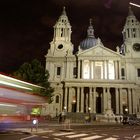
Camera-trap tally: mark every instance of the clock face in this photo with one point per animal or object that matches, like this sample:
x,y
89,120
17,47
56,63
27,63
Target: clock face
x,y
136,47
60,46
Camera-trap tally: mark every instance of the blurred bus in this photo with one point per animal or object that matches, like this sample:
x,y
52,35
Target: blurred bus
x,y
18,102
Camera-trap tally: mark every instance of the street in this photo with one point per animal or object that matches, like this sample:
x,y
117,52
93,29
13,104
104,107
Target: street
x,y
95,133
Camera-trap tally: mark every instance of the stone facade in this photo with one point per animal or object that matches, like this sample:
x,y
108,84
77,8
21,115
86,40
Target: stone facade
x,y
95,79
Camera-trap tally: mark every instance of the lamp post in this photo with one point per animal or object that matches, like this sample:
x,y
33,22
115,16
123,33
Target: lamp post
x,y
126,110
74,101
64,113
89,109
125,117
73,105
65,108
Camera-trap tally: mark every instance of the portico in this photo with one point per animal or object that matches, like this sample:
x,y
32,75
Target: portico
x,y
99,98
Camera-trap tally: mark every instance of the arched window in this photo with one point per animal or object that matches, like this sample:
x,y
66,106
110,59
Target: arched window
x,y
57,99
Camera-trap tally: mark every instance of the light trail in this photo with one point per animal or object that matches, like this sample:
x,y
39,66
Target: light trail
x,y
134,4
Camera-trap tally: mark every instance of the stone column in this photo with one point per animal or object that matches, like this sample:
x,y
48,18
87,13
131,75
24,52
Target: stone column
x,y
64,69
71,70
61,102
116,70
117,100
78,99
129,101
68,67
119,76
93,69
70,100
94,100
121,105
82,99
66,98
104,98
107,69
90,99
108,99
82,69
134,98
103,69
90,63
79,69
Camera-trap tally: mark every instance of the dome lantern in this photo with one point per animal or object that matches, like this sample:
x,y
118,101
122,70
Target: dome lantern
x,y
90,41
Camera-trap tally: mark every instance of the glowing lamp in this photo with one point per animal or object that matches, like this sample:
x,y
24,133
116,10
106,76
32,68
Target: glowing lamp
x,y
35,121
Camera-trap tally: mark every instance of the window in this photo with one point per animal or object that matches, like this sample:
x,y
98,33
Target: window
x,y
58,71
111,70
74,71
128,33
57,99
122,72
62,32
86,69
138,72
97,70
60,46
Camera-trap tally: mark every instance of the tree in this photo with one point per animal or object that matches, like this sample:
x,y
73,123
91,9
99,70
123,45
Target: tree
x,y
35,73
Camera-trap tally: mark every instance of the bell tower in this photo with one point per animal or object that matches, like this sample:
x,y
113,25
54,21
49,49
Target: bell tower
x,y
131,35
61,44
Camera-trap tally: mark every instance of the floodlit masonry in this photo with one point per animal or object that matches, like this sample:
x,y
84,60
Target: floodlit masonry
x,y
95,79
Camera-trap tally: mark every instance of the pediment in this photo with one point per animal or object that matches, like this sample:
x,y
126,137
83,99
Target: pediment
x,y
98,51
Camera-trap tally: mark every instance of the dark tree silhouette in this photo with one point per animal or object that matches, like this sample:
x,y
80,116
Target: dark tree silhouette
x,y
35,73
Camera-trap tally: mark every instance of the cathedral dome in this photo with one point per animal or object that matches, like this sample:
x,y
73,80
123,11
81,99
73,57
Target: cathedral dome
x,y
90,41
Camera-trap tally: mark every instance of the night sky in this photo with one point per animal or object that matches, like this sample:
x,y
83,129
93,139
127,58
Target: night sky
x,y
26,26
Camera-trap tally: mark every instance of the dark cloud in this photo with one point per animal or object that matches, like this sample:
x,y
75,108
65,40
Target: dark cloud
x,y
26,27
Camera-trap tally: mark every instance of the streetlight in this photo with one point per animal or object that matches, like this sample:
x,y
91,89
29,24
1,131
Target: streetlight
x,y
89,114
126,110
64,113
125,117
65,107
89,109
74,101
74,105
